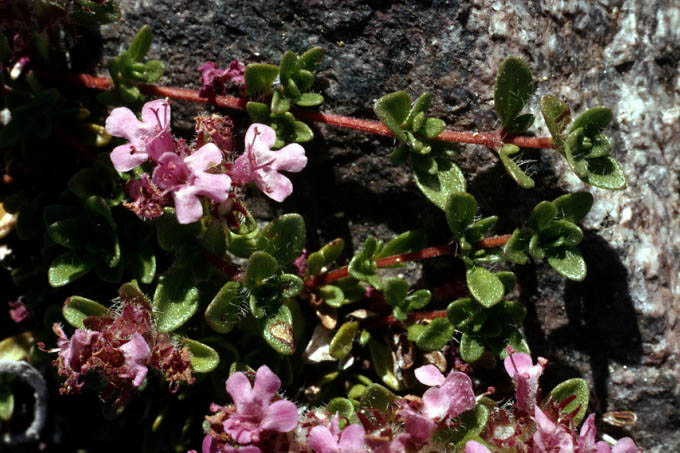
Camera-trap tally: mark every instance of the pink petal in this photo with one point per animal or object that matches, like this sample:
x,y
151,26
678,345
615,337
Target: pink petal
x,y
240,390
587,434
625,445
281,416
517,363
289,158
209,445
602,447
215,187
321,440
242,171
136,353
475,447
459,386
265,138
121,122
157,114
187,205
352,439
429,375
418,426
79,348
207,156
266,384
126,157
436,402
274,185
159,145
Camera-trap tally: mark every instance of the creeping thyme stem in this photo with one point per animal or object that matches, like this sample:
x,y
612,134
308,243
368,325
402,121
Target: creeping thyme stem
x,y
492,139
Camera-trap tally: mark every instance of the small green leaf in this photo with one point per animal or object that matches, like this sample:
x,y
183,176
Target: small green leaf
x,y
470,348
259,77
332,295
291,285
460,312
569,262
509,280
363,267
377,397
310,59
418,121
573,206
341,407
535,249
485,287
204,359
433,127
77,308
419,106
284,238
287,66
566,232
258,112
419,299
392,109
520,124
557,116
224,311
606,173
341,344
516,247
383,364
171,234
469,425
141,43
438,187
277,330
309,100
302,132
324,256
261,267
67,232
478,230
67,268
395,291
542,214
513,312
460,209
435,335
175,300
279,103
153,70
575,388
17,347
521,178
514,87
406,242
593,121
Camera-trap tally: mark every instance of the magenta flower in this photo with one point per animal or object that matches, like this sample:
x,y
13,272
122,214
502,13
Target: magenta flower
x,y
216,80
551,437
587,441
255,413
472,446
324,440
136,353
448,396
187,178
261,165
525,375
18,310
148,138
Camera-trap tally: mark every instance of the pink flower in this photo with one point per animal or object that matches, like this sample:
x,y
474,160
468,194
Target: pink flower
x,y
324,440
255,413
148,138
472,446
216,81
187,178
587,441
18,311
551,437
261,165
147,199
448,396
136,353
525,374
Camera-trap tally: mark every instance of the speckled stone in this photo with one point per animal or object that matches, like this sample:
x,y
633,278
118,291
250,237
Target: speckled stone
x,y
619,327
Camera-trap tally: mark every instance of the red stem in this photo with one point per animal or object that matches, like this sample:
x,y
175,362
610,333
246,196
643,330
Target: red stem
x,y
490,139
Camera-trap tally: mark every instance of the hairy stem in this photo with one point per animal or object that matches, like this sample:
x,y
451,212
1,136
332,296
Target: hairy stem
x,y
492,139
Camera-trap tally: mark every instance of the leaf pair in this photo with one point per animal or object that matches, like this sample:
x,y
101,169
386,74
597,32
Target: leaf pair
x,y
460,211
128,68
552,234
585,147
396,294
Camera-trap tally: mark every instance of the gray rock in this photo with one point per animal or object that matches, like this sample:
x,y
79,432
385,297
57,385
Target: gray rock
x,y
619,328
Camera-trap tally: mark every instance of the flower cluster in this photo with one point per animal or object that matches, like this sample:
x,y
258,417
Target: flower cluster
x,y
259,420
217,81
120,348
190,175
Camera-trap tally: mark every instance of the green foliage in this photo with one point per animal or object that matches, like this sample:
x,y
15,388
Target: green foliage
x,y
552,234
224,311
396,294
77,308
204,359
434,336
325,256
91,13
557,116
129,68
341,344
295,80
6,398
284,238
446,180
277,330
513,169
363,266
514,87
577,391
176,298
383,365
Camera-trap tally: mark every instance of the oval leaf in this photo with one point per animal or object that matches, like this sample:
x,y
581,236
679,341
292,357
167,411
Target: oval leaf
x,y
460,209
485,287
278,332
439,186
204,359
284,238
514,87
573,206
569,262
575,388
435,335
67,268
223,312
392,109
77,308
341,344
470,348
175,300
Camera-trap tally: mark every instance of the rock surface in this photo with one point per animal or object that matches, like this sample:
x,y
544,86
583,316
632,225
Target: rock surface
x,y
619,328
